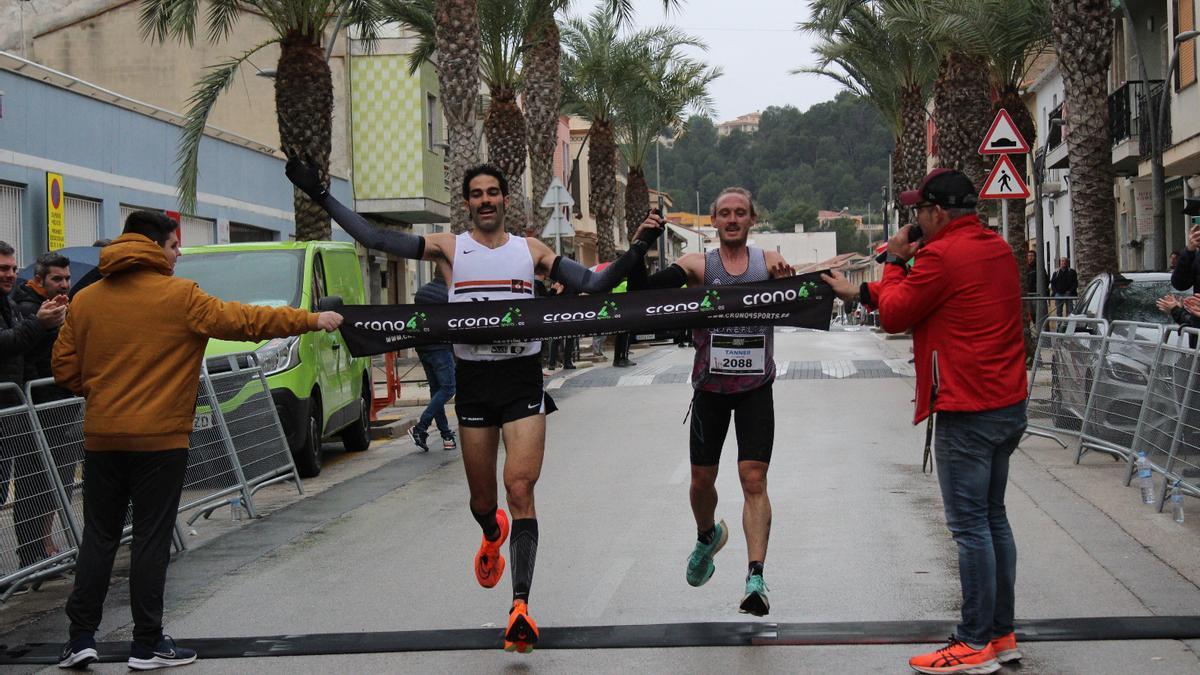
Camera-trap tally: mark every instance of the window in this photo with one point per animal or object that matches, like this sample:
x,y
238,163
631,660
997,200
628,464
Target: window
x,y
1185,20
10,215
195,231
431,126
82,220
240,233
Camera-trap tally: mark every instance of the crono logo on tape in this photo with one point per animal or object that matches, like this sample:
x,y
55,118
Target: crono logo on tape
x,y
413,324
706,304
782,295
512,317
608,310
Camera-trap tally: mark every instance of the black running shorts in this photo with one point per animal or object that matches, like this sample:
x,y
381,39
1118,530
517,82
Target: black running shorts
x,y
493,393
754,418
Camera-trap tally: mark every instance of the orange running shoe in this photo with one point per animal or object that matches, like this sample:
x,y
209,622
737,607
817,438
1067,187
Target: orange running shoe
x,y
1006,648
489,564
957,657
522,633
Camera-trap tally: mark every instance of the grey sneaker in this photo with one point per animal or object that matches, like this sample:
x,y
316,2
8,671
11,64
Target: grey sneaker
x,y
449,442
79,653
700,565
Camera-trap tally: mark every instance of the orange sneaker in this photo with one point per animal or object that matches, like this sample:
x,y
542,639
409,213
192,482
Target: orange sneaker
x,y
1006,648
522,633
489,564
957,657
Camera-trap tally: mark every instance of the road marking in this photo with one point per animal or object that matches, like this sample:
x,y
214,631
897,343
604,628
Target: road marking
x,y
781,368
642,376
840,369
901,367
558,381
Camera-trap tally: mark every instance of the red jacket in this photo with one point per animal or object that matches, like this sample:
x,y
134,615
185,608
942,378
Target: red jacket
x,y
962,300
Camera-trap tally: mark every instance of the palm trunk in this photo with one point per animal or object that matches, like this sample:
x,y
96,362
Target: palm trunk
x,y
909,165
602,193
637,200
963,109
542,94
1083,39
505,130
304,111
457,43
1010,100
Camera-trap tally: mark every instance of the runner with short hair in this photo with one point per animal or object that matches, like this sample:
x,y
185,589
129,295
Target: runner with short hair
x,y
499,386
732,375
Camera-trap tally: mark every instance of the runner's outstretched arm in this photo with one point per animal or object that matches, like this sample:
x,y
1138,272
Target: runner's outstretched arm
x,y
579,278
305,177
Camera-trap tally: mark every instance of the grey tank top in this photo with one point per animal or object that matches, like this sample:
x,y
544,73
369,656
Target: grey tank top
x,y
703,378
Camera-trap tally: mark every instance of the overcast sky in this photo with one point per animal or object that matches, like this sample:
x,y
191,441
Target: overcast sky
x,y
755,44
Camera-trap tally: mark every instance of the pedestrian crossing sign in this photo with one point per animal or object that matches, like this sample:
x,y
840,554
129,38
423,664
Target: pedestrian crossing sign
x,y
1004,182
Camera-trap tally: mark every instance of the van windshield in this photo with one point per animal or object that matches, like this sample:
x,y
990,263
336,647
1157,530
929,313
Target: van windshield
x,y
270,278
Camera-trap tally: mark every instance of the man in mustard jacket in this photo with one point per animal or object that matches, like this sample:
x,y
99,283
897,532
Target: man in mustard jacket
x,y
132,346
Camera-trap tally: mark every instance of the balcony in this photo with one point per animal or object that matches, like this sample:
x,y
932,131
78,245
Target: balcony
x,y
1056,147
1148,102
1130,136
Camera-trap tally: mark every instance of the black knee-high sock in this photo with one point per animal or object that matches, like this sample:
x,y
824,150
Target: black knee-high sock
x,y
487,520
522,548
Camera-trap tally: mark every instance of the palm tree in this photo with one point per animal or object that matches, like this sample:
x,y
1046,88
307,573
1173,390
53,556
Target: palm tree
x,y
666,86
893,70
1009,34
1082,35
303,83
542,95
502,26
456,40
597,65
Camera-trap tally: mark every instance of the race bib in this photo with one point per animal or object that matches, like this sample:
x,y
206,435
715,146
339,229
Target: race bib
x,y
498,350
737,354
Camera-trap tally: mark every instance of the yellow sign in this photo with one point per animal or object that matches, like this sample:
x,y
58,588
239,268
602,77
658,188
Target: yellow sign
x,y
56,223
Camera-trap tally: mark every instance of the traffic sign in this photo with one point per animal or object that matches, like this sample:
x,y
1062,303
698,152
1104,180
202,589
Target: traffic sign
x,y
1003,138
558,226
56,230
557,195
1004,182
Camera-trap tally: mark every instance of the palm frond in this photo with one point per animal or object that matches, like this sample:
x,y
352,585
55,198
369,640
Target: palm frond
x,y
417,16
200,105
222,15
364,17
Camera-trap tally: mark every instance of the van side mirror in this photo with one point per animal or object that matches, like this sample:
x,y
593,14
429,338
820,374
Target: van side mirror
x,y
330,303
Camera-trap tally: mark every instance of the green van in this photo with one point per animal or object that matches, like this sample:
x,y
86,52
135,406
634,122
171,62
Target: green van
x,y
319,389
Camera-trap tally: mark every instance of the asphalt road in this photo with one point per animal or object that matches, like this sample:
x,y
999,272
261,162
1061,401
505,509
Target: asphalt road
x,y
858,535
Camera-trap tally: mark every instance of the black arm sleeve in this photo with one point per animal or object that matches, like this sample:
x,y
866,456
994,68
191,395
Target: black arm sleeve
x,y
401,244
672,277
580,279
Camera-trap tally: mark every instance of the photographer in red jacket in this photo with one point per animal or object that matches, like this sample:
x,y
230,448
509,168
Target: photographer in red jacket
x,y
962,300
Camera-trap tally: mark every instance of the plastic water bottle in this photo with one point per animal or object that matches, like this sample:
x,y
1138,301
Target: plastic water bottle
x,y
1177,504
235,508
1145,478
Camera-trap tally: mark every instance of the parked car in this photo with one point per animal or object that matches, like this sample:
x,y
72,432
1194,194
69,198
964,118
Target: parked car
x,y
319,390
1122,390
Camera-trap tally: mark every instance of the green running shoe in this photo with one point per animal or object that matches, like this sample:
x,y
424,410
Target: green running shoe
x,y
755,601
700,565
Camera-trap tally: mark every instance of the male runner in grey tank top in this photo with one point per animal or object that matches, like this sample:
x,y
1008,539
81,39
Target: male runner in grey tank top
x,y
732,375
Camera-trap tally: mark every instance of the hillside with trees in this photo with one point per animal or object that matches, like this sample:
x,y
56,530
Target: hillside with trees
x,y
833,155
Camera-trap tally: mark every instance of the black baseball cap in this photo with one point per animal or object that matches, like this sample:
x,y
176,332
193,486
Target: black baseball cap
x,y
947,188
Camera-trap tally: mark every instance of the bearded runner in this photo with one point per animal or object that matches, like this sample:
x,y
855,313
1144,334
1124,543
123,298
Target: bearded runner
x,y
499,386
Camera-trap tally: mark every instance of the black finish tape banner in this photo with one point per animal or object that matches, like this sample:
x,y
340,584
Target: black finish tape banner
x,y
802,300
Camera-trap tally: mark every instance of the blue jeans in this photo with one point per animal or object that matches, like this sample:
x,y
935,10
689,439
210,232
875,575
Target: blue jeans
x,y
439,372
972,451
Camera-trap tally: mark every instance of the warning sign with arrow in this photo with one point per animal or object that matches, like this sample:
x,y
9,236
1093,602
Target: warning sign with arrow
x,y
1004,182
1003,138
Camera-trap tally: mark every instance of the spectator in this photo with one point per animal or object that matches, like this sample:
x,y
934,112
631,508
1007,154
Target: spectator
x,y
1187,271
1173,261
51,280
1064,284
962,270
20,335
132,347
1185,311
561,349
438,362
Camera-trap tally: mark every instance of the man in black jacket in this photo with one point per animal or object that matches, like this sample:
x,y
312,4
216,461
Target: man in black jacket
x,y
1064,284
1187,271
19,335
438,363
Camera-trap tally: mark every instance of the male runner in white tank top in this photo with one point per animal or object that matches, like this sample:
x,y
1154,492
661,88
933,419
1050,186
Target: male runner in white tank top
x,y
725,385
499,387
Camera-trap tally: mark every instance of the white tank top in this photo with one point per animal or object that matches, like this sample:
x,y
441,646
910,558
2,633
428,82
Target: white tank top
x,y
481,273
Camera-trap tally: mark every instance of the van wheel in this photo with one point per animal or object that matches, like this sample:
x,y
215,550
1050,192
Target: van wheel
x,y
308,455
357,436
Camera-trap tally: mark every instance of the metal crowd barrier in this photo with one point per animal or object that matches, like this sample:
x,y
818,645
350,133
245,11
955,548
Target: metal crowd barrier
x,y
1122,389
237,447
